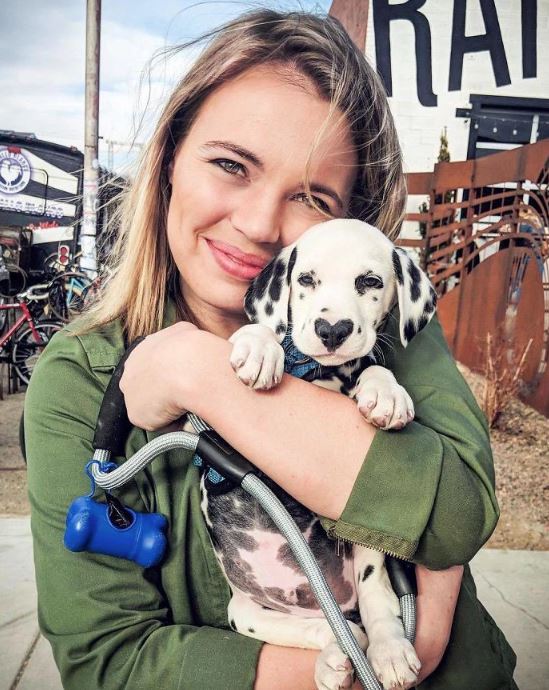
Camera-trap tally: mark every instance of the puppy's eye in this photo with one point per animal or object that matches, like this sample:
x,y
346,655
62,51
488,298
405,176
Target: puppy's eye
x,y
367,282
306,279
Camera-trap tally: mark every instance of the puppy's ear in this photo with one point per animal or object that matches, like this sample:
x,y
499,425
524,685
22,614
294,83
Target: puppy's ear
x,y
416,296
267,299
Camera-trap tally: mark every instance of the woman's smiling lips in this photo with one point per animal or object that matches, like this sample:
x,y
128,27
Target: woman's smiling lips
x,y
235,262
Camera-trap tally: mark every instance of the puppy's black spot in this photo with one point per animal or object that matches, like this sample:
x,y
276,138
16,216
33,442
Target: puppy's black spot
x,y
244,540
259,285
280,328
319,282
415,278
359,329
251,630
323,310
249,304
423,321
375,299
269,308
232,624
397,266
430,304
301,295
367,572
291,263
354,617
275,286
409,330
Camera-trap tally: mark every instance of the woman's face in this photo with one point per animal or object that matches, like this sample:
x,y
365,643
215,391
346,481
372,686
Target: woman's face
x,y
237,187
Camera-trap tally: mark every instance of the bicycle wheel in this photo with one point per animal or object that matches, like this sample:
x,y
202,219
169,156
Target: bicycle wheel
x,y
17,282
66,294
26,349
3,313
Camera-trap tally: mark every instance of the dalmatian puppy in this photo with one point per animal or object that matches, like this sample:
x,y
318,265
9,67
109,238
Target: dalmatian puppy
x,y
328,293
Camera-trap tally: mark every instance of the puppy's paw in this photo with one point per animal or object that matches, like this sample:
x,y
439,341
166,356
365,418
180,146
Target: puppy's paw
x,y
257,358
382,400
333,669
394,661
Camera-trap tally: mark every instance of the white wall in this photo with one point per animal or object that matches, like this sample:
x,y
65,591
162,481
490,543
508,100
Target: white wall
x,y
420,127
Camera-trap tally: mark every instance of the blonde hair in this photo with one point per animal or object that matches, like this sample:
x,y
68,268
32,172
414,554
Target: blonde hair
x,y
142,271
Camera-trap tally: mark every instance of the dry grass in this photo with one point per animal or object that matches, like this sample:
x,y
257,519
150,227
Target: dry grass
x,y
520,445
502,376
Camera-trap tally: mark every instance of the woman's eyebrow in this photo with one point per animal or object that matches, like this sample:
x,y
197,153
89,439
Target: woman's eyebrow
x,y
249,156
236,148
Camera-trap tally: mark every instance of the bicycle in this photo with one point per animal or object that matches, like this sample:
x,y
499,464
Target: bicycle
x,y
67,293
20,344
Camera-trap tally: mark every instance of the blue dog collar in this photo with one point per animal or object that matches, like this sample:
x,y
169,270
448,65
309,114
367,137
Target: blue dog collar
x,y
213,477
295,362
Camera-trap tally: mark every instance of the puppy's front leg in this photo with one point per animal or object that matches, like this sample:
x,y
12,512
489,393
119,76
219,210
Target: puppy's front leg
x,y
257,357
333,669
381,399
391,655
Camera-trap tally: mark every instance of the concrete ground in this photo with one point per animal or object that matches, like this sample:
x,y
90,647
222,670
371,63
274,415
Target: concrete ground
x,y
511,584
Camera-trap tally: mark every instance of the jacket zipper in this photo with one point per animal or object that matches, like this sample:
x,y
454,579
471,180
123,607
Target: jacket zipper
x,y
370,546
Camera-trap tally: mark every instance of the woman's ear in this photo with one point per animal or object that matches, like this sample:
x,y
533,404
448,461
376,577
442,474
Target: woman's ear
x,y
416,296
267,299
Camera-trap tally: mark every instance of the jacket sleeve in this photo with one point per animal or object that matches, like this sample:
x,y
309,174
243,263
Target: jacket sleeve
x,y
108,620
426,492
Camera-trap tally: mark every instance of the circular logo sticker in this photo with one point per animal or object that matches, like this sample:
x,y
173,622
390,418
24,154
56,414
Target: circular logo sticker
x,y
15,171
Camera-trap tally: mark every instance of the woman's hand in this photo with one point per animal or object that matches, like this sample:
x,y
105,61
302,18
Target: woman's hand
x,y
154,376
437,594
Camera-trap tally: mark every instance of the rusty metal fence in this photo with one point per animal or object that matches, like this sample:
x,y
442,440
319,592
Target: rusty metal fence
x,y
482,235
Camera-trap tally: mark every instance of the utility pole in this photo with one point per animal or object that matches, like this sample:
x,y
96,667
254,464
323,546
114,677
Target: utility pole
x,y
88,231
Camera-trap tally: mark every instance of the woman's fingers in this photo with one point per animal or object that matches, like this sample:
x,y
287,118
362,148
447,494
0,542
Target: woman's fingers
x,y
151,377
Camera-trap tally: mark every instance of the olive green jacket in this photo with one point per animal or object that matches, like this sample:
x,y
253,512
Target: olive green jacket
x,y
424,493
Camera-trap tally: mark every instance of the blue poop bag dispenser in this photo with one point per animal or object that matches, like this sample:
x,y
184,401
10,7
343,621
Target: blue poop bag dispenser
x,y
112,528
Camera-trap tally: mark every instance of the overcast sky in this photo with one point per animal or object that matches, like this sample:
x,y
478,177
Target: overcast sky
x,y
42,74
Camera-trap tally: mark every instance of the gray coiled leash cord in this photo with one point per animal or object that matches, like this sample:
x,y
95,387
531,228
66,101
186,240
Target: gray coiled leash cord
x,y
108,440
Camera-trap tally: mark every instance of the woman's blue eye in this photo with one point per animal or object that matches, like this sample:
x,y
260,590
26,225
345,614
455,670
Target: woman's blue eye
x,y
319,202
231,167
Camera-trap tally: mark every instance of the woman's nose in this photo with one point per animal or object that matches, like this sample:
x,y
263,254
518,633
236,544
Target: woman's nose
x,y
258,216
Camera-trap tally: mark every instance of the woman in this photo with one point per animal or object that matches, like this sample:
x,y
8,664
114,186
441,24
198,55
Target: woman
x,y
280,124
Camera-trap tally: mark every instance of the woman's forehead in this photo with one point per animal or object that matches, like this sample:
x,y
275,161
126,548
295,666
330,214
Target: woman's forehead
x,y
277,118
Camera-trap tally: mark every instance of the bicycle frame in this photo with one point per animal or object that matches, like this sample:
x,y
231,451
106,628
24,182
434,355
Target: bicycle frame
x,y
75,282
25,317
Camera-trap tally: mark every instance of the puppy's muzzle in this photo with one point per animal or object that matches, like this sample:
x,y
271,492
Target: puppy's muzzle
x,y
332,336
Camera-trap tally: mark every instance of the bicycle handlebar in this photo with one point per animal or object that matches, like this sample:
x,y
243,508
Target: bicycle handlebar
x,y
30,294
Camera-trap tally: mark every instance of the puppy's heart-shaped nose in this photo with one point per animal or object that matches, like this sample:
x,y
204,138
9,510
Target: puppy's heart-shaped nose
x,y
333,335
